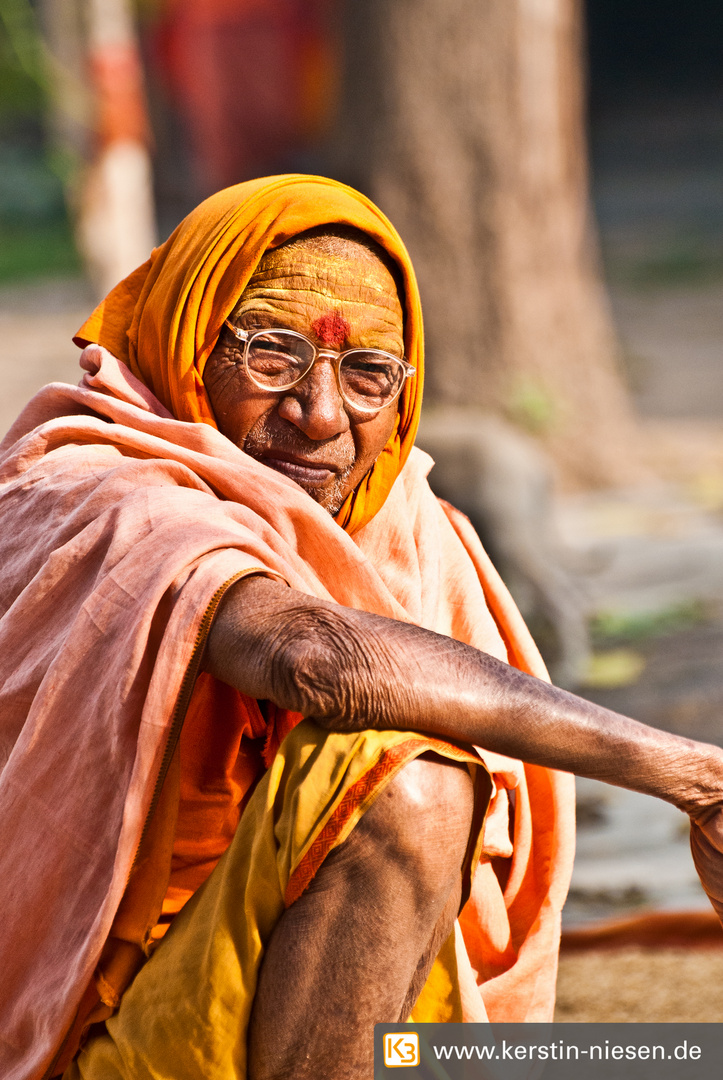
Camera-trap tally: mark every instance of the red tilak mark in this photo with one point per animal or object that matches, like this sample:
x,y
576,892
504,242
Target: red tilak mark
x,y
331,329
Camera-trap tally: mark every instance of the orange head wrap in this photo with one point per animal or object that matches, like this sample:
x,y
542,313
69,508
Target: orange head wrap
x,y
164,318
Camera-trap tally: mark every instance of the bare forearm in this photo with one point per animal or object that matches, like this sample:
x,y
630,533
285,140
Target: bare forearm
x,y
351,670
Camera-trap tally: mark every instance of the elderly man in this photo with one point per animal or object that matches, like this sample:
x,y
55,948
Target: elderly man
x,y
205,543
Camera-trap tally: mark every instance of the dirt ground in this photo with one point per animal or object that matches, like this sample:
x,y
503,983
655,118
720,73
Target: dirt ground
x,y
37,322
636,985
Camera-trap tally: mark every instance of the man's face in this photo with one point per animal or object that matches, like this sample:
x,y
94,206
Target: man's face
x,y
308,432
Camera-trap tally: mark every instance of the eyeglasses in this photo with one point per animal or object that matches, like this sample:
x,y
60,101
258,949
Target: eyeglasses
x,y
277,360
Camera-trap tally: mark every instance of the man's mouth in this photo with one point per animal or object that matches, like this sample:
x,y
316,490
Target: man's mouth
x,y
303,471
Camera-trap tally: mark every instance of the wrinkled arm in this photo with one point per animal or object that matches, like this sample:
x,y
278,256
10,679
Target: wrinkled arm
x,y
350,670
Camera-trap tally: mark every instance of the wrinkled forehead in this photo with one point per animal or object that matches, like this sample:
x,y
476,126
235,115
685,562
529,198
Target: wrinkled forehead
x,y
330,274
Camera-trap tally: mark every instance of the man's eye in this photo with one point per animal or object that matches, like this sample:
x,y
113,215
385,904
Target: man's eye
x,y
261,346
273,366
370,367
369,371
269,359
265,350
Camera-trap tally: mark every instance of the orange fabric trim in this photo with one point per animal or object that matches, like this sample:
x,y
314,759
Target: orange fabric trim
x,y
390,761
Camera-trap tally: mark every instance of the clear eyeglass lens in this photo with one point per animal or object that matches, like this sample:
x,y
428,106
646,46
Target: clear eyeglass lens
x,y
279,358
370,379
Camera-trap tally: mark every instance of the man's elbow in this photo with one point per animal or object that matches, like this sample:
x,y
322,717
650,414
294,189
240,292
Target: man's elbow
x,y
332,672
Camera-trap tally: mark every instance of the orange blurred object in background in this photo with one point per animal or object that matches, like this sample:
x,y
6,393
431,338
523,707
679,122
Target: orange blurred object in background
x,y
253,81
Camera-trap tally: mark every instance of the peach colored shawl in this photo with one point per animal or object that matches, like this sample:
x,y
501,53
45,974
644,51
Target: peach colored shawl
x,y
120,523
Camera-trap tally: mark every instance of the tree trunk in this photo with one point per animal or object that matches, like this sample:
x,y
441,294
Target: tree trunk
x,y
464,120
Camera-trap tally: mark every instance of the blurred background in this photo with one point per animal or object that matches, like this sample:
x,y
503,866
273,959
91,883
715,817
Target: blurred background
x,y
556,170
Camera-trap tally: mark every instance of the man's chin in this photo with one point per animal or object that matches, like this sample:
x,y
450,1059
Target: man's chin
x,y
329,500
330,495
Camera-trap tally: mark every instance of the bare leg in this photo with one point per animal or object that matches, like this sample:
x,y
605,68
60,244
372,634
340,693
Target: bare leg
x,y
357,947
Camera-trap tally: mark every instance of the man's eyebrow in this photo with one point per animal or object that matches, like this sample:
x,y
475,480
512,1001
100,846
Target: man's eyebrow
x,y
260,319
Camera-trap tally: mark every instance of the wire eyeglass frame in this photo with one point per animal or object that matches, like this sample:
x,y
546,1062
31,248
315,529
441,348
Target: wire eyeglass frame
x,y
246,337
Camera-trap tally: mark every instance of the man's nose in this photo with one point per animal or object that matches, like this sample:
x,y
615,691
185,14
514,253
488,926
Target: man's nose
x,y
315,406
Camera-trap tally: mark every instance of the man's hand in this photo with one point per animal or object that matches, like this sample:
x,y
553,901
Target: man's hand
x,y
706,844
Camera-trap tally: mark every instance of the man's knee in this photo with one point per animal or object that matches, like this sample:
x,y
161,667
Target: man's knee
x,y
421,822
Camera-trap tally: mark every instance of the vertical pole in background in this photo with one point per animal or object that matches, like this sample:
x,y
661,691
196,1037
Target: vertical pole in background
x,y
116,217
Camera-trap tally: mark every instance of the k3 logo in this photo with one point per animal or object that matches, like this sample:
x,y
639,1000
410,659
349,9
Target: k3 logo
x,y
401,1049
